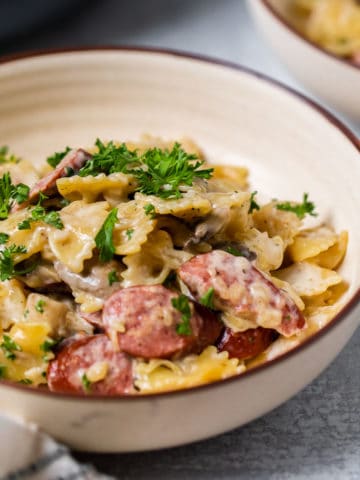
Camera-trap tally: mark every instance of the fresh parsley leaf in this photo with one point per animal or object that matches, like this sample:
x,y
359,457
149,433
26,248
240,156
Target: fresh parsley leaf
x,y
163,172
110,158
39,306
86,383
48,345
56,158
7,265
10,192
104,238
24,225
38,213
208,299
9,347
300,209
26,381
253,204
129,233
234,251
53,219
181,303
4,237
6,157
2,371
20,193
113,277
149,210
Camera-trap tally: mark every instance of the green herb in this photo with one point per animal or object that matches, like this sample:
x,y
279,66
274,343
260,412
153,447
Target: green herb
x,y
6,157
129,233
181,303
43,374
55,159
4,237
234,251
24,225
112,277
9,347
53,219
150,210
86,383
26,381
7,265
2,371
48,345
38,214
302,209
253,204
110,159
167,170
39,307
64,202
26,313
10,192
104,238
208,299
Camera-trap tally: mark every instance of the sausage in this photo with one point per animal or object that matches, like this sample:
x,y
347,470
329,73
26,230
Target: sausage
x,y
145,323
241,290
73,160
94,318
65,372
248,344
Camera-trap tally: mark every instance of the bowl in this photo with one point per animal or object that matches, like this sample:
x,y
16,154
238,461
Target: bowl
x,y
237,117
329,77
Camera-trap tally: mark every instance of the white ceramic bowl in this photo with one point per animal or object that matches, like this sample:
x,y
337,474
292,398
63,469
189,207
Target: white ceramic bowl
x,y
335,80
237,117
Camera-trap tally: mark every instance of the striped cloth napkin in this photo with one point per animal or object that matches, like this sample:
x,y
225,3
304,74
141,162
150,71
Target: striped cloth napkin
x,y
28,454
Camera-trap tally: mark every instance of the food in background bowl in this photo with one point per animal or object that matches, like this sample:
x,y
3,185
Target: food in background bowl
x,y
138,268
331,24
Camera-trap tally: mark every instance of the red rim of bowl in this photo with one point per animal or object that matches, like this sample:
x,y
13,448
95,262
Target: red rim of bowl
x,y
303,37
351,304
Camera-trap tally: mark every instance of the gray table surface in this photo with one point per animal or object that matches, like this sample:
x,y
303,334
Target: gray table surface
x,y
315,435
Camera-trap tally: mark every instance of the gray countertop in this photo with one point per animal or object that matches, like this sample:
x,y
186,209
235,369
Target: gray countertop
x,y
315,435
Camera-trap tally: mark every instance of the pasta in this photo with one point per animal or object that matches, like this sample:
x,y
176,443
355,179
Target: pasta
x,y
139,268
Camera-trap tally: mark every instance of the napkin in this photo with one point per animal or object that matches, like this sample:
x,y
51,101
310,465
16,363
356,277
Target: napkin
x,y
29,454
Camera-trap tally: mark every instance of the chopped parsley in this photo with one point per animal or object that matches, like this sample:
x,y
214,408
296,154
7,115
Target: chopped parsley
x,y
181,303
208,299
113,277
9,193
6,157
86,383
56,158
9,347
129,233
234,251
104,238
39,214
39,306
48,345
300,209
253,204
149,210
4,237
2,371
110,158
7,265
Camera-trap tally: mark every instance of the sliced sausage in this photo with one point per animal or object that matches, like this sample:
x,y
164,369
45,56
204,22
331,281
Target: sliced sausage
x,y
240,290
248,344
146,323
66,372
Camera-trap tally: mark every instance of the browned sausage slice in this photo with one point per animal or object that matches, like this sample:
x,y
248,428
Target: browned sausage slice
x,y
241,290
66,372
146,324
248,344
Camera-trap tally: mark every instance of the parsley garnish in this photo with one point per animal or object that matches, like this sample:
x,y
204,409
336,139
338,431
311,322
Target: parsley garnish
x,y
113,277
2,371
234,251
253,204
9,347
149,210
167,170
48,345
86,383
4,237
6,157
38,213
7,266
39,306
10,192
110,159
208,299
104,238
56,158
302,209
181,303
129,233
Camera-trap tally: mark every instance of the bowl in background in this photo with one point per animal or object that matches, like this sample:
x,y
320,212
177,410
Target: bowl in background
x,y
330,77
237,117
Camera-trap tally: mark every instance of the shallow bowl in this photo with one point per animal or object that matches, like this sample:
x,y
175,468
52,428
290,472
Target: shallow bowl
x,y
330,77
237,117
